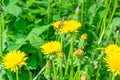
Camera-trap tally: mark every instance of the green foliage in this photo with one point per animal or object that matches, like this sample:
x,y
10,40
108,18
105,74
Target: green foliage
x,y
26,25
13,9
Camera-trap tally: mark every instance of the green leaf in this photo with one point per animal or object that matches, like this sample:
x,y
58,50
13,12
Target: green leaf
x,y
116,22
25,76
19,42
36,41
2,73
38,30
101,12
33,37
43,11
14,9
30,2
13,1
32,63
20,24
56,17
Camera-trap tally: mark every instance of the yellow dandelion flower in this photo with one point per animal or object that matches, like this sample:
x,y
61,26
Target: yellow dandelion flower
x,y
14,60
51,47
67,26
113,62
111,49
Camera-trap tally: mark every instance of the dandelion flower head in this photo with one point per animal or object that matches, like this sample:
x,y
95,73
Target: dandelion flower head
x,y
14,60
51,47
113,62
67,26
112,48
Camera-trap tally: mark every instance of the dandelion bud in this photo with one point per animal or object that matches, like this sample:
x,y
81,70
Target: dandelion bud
x,y
84,36
77,10
83,77
48,64
61,54
78,52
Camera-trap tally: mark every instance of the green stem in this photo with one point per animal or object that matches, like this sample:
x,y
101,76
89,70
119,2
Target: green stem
x,y
103,29
78,70
0,41
30,74
54,69
102,34
60,68
70,56
61,73
99,66
113,12
1,33
82,11
60,7
106,2
77,73
114,75
48,18
71,47
39,73
111,17
17,77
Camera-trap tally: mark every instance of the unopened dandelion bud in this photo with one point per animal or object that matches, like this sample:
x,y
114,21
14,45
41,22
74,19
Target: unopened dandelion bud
x,y
48,64
78,52
77,10
84,36
61,54
83,77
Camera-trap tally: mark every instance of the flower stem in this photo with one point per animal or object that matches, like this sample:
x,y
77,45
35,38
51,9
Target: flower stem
x,y
48,19
103,29
99,64
82,11
78,70
113,77
17,77
111,17
1,33
60,68
70,56
61,73
77,74
30,74
54,70
39,73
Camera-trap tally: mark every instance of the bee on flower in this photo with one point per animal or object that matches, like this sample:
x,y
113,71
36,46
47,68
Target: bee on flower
x,y
67,26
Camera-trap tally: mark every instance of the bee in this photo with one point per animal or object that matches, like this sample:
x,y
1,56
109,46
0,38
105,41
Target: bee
x,y
61,23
